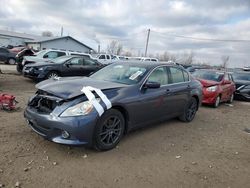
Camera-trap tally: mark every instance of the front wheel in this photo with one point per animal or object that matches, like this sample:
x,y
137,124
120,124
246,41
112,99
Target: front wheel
x,y
109,130
190,111
217,102
52,75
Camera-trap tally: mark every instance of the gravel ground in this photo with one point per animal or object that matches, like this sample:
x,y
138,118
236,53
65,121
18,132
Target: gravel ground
x,y
211,151
7,68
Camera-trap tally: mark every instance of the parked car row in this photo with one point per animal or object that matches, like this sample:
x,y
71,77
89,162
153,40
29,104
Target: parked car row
x,y
46,55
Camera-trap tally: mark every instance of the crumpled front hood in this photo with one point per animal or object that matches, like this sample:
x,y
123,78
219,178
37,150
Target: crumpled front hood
x,y
70,87
208,83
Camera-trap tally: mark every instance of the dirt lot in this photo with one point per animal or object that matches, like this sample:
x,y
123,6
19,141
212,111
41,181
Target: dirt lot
x,y
212,151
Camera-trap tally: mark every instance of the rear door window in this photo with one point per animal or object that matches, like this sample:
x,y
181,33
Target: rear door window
x,y
89,62
176,75
59,54
102,57
186,76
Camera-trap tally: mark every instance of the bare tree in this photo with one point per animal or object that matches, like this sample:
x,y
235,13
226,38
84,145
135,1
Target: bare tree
x,y
225,60
127,53
114,47
167,57
47,34
188,58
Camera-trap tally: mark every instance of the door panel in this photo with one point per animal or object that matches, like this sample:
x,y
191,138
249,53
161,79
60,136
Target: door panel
x,y
154,103
73,67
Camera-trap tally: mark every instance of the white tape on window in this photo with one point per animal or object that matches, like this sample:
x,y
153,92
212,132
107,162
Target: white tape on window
x,y
91,97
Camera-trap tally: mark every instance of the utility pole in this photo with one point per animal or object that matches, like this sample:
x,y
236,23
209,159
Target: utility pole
x,y
146,50
99,48
61,31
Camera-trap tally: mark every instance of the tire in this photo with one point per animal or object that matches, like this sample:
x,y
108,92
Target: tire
x,y
18,68
217,102
109,130
231,99
190,111
52,74
11,61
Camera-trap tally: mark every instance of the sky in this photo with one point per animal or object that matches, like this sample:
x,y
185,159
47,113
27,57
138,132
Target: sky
x,y
95,22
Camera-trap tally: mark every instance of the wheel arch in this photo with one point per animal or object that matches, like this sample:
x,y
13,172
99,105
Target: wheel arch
x,y
125,114
197,100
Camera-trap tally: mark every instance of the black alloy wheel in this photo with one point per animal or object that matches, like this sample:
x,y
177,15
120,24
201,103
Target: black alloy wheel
x,y
190,111
109,130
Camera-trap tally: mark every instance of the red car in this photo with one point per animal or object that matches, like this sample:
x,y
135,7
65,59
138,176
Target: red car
x,y
217,86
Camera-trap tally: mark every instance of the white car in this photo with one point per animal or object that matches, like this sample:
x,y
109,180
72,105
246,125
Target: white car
x,y
106,58
46,55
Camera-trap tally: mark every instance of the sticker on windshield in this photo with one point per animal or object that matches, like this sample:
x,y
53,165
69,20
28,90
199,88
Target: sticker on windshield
x,y
135,75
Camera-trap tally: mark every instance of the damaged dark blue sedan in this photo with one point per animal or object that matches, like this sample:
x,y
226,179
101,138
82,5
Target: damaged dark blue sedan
x,y
98,110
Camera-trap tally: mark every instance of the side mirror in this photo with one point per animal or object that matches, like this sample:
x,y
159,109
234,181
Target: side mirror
x,y
152,85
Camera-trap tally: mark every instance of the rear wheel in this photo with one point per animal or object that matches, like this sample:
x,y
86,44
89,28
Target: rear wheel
x,y
217,102
109,130
52,74
190,111
11,61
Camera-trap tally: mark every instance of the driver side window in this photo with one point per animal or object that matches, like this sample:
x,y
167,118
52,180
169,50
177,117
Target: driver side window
x,y
159,75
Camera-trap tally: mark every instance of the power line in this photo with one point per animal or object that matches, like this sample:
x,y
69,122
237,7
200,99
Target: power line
x,y
197,38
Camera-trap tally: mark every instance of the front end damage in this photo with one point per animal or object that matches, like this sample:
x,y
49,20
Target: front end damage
x,y
43,116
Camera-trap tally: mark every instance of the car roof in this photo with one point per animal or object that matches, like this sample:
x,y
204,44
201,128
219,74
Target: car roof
x,y
213,70
148,64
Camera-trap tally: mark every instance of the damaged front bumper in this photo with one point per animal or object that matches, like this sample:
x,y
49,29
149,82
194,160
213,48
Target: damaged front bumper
x,y
79,130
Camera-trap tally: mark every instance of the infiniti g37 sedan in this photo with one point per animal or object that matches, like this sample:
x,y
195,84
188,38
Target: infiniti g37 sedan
x,y
97,111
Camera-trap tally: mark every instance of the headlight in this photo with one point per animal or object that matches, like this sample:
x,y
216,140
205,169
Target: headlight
x,y
212,88
80,109
40,69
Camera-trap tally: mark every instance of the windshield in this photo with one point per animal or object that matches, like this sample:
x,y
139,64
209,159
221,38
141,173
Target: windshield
x,y
40,53
209,75
61,59
125,74
241,76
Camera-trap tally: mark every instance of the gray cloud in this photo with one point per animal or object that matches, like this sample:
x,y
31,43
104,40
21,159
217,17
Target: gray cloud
x,y
105,20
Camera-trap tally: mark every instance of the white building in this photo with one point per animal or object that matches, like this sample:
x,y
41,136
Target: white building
x,y
64,43
39,42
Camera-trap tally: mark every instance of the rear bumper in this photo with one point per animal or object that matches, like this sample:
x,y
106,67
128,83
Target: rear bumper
x,y
50,127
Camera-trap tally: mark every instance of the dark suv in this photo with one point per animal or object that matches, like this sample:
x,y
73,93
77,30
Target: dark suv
x,y
7,56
